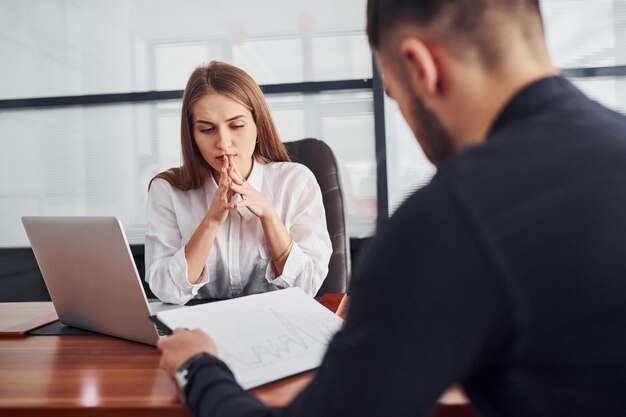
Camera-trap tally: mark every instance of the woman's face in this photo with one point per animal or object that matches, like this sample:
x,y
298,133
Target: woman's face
x,y
222,126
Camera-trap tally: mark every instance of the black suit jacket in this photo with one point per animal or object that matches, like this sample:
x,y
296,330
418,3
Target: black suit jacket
x,y
507,274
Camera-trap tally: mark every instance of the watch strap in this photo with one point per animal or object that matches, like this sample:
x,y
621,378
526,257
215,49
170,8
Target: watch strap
x,y
184,372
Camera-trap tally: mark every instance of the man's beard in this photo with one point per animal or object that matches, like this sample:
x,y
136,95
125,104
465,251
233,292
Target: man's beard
x,y
439,143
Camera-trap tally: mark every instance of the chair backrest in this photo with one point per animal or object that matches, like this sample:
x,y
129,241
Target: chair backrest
x,y
319,158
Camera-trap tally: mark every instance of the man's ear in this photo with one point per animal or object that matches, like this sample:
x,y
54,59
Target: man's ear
x,y
420,65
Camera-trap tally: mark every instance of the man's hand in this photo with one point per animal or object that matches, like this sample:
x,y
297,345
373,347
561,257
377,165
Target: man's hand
x,y
182,345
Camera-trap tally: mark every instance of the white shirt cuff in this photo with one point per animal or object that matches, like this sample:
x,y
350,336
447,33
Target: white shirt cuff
x,y
179,270
293,268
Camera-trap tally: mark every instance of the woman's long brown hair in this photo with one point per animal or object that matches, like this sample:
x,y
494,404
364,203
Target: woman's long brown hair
x,y
232,82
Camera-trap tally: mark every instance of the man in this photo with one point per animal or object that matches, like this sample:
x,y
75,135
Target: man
x,y
507,272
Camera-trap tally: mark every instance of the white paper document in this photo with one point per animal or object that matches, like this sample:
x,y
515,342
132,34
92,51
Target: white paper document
x,y
263,337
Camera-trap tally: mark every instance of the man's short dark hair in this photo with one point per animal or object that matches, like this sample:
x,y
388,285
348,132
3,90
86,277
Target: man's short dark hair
x,y
458,24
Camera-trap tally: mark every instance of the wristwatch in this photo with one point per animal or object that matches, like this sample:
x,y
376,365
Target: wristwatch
x,y
184,371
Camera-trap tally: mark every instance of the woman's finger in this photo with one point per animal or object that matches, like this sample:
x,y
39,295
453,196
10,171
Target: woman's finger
x,y
223,190
240,204
223,176
237,179
232,163
235,169
238,188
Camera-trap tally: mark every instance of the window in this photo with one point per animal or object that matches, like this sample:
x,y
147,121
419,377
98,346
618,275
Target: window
x,y
580,35
97,159
96,156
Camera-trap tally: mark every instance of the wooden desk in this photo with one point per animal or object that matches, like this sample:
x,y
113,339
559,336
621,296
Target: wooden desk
x,y
16,319
105,376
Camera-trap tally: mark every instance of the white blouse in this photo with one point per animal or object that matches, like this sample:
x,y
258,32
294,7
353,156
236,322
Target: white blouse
x,y
239,261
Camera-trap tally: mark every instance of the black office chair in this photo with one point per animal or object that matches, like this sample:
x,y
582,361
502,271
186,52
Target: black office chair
x,y
319,158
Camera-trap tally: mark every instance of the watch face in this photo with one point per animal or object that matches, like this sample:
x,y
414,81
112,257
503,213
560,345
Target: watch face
x,y
182,375
181,378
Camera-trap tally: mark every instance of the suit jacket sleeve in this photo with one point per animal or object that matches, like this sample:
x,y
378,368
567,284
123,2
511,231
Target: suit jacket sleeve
x,y
427,310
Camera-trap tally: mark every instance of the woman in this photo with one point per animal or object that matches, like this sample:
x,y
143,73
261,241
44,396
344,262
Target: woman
x,y
237,217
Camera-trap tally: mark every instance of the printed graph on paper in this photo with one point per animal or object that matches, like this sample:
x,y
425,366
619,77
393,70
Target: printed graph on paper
x,y
263,337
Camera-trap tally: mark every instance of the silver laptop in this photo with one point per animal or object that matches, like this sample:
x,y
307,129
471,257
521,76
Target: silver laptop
x,y
91,276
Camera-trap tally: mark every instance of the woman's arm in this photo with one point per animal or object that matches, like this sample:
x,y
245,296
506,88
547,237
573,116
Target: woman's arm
x,y
199,246
276,234
305,218
166,266
278,240
298,240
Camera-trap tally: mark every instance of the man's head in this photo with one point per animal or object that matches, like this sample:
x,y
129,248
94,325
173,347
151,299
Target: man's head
x,y
452,64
